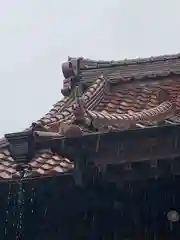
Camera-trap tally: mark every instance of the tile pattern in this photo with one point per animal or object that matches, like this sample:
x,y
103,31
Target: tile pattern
x,y
129,105
133,69
108,103
160,112
46,162
64,112
134,99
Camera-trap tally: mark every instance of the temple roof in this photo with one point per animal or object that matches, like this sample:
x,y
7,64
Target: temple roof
x,y
104,96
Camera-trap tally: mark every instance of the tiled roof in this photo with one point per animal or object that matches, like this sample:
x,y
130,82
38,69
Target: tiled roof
x,y
127,69
44,163
109,101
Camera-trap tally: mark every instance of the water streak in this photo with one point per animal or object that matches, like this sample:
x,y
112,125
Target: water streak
x,y
7,210
32,199
20,210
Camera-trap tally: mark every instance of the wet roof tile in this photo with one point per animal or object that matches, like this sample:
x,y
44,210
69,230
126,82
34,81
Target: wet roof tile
x,y
42,164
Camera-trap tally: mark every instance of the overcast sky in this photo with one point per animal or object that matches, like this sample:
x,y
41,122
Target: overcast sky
x,y
36,36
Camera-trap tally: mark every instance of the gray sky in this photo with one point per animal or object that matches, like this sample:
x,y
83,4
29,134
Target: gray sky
x,y
36,36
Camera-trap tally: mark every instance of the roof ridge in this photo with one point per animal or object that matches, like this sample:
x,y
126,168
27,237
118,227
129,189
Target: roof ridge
x,y
88,64
85,71
65,111
58,107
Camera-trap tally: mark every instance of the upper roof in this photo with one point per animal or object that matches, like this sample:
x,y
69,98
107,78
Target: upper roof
x,y
110,96
125,69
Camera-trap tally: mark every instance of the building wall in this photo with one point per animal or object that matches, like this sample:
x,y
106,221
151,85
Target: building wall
x,y
54,208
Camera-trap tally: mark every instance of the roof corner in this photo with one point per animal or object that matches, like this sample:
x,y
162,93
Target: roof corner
x,y
21,146
70,70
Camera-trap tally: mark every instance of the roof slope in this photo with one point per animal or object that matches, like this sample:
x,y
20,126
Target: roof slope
x,y
112,96
127,69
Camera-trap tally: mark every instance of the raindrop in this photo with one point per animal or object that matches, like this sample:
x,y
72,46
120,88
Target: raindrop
x,y
97,143
93,222
154,236
85,216
32,199
20,209
45,212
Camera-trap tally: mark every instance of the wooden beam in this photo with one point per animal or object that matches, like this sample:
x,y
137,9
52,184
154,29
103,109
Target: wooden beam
x,y
142,171
131,145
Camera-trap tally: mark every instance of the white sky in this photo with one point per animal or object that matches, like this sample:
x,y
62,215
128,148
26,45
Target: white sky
x,y
36,36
